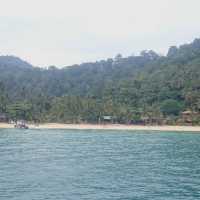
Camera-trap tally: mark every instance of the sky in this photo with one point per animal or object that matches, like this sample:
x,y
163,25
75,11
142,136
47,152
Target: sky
x,y
66,32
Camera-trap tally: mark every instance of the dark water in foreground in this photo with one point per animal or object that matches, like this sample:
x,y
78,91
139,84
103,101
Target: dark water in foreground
x,y
99,165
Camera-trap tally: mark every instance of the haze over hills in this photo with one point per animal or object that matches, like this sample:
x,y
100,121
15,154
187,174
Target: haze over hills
x,y
13,61
150,86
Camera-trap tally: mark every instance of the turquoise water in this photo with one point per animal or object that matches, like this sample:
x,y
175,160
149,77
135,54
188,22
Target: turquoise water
x,y
99,165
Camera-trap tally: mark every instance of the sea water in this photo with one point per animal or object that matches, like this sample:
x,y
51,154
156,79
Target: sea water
x,y
99,165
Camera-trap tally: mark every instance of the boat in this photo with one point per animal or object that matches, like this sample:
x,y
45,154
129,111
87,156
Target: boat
x,y
21,125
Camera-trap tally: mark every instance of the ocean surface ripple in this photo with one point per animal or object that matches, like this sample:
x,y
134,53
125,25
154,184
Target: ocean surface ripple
x,y
99,165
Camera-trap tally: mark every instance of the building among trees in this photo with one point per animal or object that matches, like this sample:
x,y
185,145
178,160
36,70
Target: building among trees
x,y
3,117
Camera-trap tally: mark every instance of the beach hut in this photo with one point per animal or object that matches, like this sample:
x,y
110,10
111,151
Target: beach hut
x,y
107,119
189,116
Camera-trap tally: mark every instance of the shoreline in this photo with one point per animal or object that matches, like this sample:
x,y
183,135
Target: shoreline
x,y
106,127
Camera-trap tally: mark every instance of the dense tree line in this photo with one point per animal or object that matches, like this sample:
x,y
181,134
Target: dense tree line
x,y
146,88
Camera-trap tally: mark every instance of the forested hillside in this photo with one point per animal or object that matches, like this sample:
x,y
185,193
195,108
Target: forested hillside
x,y
148,88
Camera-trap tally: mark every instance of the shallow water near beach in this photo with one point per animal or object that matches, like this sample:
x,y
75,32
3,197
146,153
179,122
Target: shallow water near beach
x,y
99,165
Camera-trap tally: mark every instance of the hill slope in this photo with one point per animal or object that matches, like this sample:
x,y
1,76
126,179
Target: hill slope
x,y
149,87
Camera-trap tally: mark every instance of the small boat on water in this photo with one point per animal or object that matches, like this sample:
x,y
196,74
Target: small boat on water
x,y
21,125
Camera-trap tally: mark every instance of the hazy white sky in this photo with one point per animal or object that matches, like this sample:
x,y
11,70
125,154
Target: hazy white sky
x,y
65,32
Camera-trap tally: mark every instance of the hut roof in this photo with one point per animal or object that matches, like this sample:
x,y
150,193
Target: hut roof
x,y
107,117
187,112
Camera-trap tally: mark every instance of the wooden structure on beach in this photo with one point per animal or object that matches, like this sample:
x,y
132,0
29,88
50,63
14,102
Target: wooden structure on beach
x,y
106,119
189,116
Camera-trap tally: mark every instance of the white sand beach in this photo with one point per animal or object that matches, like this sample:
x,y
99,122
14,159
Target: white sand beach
x,y
107,127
